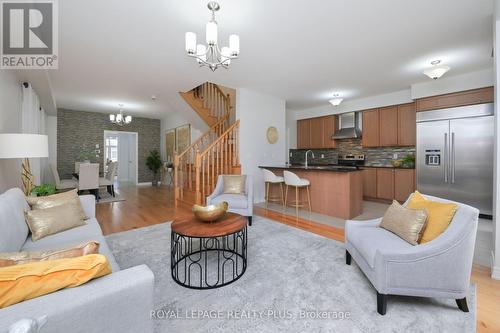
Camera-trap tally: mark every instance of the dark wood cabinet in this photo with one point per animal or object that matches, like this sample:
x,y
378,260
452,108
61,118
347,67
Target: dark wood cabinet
x,y
407,125
370,182
316,132
329,126
370,137
303,133
404,183
385,183
468,97
388,126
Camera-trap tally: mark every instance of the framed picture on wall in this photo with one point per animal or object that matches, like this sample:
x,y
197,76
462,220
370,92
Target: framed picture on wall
x,y
170,145
182,138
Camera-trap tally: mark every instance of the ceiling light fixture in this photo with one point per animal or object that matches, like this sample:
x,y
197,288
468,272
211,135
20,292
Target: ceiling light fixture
x,y
436,71
336,100
119,119
211,56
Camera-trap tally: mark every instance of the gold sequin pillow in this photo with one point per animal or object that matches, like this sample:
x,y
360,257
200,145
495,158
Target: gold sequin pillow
x,y
49,221
234,184
24,257
57,200
404,222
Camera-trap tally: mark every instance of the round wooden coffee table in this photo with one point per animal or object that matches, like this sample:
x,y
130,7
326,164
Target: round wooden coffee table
x,y
208,255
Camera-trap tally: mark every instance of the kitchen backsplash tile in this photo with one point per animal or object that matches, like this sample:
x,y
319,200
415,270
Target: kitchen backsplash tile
x,y
380,156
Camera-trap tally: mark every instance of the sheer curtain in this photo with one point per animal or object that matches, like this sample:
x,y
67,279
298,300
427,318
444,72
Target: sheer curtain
x,y
33,122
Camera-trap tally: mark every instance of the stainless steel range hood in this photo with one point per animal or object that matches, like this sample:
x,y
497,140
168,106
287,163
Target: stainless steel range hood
x,y
348,126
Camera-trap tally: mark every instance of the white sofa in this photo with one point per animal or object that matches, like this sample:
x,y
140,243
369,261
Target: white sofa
x,y
119,302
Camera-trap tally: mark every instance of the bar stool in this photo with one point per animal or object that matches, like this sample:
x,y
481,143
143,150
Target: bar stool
x,y
270,178
292,179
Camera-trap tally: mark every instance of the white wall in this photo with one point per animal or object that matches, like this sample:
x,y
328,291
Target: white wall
x,y
496,196
183,117
257,112
51,128
10,122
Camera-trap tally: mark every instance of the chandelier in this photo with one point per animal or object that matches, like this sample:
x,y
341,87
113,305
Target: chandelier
x,y
212,56
119,119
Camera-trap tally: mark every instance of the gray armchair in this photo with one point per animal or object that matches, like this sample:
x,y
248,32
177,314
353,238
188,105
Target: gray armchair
x,y
238,203
440,268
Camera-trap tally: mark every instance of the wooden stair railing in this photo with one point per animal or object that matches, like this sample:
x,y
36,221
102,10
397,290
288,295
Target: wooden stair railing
x,y
221,157
209,101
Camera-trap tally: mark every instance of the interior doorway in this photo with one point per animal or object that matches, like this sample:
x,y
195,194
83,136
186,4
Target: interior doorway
x,y
122,147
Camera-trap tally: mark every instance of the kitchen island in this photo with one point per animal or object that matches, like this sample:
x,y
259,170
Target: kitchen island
x,y
335,191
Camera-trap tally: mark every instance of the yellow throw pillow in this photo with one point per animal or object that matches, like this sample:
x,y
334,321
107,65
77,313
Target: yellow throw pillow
x,y
22,282
439,215
234,184
19,258
57,200
49,221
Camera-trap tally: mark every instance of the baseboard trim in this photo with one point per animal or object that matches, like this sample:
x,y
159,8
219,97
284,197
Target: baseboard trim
x,y
495,270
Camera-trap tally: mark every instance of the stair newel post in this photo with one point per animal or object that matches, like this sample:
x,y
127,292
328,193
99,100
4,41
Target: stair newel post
x,y
176,178
197,171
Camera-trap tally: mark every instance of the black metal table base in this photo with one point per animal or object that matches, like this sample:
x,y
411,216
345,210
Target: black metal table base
x,y
208,262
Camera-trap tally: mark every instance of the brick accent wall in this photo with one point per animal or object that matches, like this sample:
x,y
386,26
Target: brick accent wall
x,y
78,129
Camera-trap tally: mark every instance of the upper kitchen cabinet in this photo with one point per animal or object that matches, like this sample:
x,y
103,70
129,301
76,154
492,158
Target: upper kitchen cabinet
x,y
371,130
316,132
469,97
407,125
329,126
388,126
303,133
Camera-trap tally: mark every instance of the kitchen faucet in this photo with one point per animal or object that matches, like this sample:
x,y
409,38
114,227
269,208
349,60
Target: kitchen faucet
x,y
307,153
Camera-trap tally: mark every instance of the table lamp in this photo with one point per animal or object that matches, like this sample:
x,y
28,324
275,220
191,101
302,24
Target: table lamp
x,y
24,146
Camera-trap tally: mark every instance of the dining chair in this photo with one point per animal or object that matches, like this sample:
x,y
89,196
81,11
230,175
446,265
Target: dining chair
x,y
109,178
89,178
62,184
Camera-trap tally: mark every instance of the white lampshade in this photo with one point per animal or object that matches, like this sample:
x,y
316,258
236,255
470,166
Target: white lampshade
x,y
128,119
234,44
226,55
211,33
190,42
112,117
23,146
119,117
201,51
336,101
436,72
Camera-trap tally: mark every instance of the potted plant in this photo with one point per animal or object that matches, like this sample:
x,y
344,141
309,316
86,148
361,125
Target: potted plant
x,y
408,161
87,154
153,162
43,190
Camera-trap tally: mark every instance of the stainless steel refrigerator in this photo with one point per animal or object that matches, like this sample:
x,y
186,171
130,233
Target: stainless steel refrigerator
x,y
455,155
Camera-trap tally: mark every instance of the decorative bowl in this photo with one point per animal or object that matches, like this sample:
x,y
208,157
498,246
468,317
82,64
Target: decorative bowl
x,y
397,163
210,213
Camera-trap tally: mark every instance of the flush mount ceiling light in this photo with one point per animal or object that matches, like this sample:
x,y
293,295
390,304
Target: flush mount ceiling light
x,y
212,56
336,100
437,70
119,119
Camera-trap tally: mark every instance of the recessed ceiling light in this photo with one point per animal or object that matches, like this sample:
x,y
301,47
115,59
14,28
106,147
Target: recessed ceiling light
x,y
437,70
336,100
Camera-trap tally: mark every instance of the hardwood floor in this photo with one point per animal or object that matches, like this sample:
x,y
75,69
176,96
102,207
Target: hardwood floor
x,y
146,205
143,206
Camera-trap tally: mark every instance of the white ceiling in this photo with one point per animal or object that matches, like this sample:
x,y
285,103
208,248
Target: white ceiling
x,y
116,51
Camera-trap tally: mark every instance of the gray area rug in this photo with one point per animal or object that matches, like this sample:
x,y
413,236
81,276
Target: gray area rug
x,y
105,197
292,276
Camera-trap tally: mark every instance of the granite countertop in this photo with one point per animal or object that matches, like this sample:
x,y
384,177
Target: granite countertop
x,y
334,168
388,166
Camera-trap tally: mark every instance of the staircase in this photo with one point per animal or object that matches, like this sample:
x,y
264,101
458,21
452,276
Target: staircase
x,y
214,153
